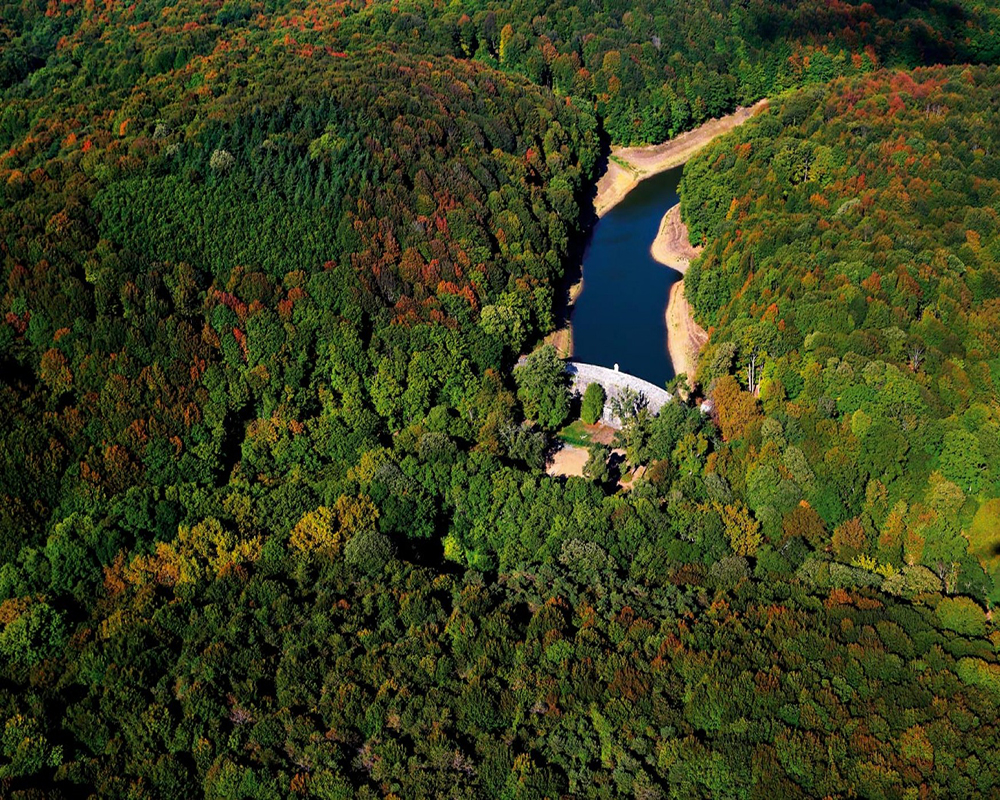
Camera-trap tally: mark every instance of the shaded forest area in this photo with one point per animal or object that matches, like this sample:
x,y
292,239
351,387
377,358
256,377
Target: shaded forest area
x,y
273,514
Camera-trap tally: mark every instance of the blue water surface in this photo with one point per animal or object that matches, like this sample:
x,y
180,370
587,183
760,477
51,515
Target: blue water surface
x,y
619,316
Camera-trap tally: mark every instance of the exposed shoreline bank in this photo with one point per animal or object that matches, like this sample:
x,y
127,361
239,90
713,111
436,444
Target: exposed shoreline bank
x,y
671,247
685,337
627,166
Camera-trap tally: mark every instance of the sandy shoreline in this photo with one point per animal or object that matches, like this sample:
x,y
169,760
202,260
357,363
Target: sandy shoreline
x,y
685,337
629,165
671,246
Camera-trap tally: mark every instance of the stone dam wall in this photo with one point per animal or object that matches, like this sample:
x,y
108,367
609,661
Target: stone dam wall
x,y
613,382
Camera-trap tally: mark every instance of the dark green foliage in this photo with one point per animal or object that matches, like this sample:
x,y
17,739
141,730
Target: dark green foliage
x,y
849,232
597,468
36,633
368,552
415,665
542,386
274,519
592,405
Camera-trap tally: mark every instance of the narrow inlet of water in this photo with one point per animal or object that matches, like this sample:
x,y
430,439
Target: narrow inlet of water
x,y
619,318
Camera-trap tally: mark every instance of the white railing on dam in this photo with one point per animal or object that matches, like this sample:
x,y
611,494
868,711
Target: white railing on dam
x,y
613,382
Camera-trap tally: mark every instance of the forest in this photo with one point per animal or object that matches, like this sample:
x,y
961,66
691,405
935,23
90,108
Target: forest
x,y
869,341
274,520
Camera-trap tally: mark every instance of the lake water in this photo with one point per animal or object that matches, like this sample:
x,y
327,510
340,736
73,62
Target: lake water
x,y
619,316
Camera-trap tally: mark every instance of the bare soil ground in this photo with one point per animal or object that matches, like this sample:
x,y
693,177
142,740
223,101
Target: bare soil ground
x,y
629,165
601,433
568,460
685,337
671,245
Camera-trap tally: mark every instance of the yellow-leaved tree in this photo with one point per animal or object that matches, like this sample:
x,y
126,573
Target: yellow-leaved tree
x,y
326,530
742,530
215,548
206,550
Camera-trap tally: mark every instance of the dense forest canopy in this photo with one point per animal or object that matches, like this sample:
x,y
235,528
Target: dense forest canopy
x,y
853,255
273,514
650,69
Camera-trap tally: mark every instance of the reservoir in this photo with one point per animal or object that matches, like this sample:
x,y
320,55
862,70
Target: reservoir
x,y
619,316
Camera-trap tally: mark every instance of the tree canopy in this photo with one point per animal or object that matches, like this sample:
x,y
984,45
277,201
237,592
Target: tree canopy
x,y
274,514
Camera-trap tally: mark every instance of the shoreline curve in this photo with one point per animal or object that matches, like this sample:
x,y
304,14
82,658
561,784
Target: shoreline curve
x,y
685,337
627,166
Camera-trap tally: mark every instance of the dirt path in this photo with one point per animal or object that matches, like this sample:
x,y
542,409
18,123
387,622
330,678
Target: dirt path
x,y
629,165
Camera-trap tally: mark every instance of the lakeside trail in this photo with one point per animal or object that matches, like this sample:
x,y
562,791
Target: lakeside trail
x,y
685,337
629,165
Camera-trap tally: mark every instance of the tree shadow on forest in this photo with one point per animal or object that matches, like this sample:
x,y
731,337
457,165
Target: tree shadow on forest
x,y
915,42
562,312
617,469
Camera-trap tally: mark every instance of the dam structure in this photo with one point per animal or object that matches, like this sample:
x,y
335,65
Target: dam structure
x,y
614,382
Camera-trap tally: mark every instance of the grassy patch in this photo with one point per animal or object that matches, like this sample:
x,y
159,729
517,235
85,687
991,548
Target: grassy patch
x,y
984,534
576,433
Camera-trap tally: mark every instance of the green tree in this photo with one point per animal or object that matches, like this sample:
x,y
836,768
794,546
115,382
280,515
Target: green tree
x,y
26,748
597,468
368,551
542,387
628,405
36,633
963,615
592,405
962,460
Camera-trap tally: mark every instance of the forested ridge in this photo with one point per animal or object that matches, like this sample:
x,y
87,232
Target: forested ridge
x,y
273,514
650,69
852,257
